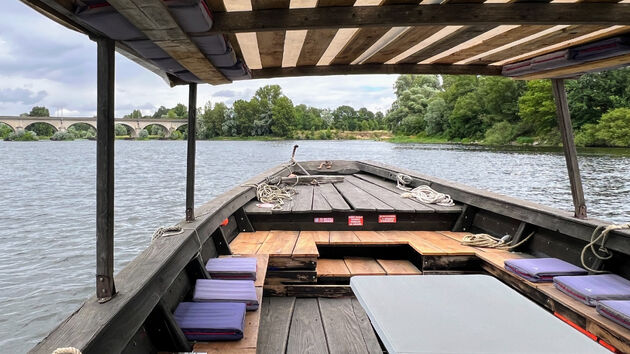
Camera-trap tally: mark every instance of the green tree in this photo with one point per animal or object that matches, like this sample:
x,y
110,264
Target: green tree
x,y
283,120
135,114
161,112
464,120
244,112
180,110
344,118
594,94
42,129
39,111
436,118
612,130
121,130
5,130
537,108
407,81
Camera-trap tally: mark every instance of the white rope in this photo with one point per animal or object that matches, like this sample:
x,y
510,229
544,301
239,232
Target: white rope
x,y
602,248
488,241
67,350
273,194
422,193
166,231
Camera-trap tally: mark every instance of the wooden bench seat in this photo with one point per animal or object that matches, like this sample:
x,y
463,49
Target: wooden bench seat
x,y
252,318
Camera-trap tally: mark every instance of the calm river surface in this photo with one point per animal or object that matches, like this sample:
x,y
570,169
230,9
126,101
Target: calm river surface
x,y
47,196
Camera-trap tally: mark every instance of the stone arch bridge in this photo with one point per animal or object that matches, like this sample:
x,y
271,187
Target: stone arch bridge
x,y
135,125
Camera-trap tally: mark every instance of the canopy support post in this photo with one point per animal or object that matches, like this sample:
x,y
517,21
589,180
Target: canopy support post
x,y
105,288
568,145
190,161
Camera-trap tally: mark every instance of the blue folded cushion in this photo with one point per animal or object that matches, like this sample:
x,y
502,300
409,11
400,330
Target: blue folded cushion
x,y
615,310
541,269
592,288
232,268
219,290
204,321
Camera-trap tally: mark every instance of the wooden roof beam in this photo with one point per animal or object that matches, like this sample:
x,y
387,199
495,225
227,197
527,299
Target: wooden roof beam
x,y
156,22
316,70
605,14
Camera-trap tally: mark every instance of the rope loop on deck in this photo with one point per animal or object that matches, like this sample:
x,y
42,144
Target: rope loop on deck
x,y
274,194
166,231
488,241
422,193
67,350
602,253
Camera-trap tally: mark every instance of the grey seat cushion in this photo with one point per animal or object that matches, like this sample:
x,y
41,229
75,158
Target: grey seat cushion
x,y
592,288
218,290
211,321
191,15
147,49
104,18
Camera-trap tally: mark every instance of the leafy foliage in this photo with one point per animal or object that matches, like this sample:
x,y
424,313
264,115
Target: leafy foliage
x,y
5,130
22,135
62,136
612,130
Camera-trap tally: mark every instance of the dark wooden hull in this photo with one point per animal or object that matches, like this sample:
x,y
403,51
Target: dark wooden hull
x,y
138,318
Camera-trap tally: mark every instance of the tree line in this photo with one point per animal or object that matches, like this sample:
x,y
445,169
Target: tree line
x,y
433,108
498,110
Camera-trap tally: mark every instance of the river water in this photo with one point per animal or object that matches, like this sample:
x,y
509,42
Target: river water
x,y
47,196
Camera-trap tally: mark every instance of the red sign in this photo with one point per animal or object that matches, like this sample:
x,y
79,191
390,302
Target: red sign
x,y
324,220
387,219
355,220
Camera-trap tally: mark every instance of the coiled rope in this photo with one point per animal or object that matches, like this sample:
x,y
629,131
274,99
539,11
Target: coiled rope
x,y
422,193
166,231
488,241
274,194
605,254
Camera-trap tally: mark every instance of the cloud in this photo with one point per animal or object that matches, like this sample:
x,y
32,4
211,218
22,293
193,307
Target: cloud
x,y
21,95
225,93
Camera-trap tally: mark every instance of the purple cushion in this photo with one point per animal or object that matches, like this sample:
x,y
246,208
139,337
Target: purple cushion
x,y
211,321
232,268
541,269
214,44
240,71
219,290
147,49
592,288
168,64
188,76
191,15
615,310
107,20
602,49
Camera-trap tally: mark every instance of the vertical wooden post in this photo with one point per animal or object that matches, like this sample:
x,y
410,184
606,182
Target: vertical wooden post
x,y
190,161
105,288
570,153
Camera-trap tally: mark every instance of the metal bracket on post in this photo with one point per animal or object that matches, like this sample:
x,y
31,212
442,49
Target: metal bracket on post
x,y
105,288
568,145
190,155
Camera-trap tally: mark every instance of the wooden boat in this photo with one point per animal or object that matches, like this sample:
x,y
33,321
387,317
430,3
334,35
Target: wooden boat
x,y
308,249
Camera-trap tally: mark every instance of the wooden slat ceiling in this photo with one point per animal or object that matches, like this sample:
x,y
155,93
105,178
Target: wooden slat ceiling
x,y
332,37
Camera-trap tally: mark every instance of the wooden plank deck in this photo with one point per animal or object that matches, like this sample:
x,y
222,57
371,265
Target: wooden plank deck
x,y
429,243
360,192
315,325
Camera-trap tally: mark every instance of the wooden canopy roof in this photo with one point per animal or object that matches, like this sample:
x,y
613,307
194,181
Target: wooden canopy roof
x,y
283,38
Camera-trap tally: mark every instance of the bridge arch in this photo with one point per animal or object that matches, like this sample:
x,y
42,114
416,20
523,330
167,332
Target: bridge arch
x,y
151,128
8,125
42,128
130,130
79,124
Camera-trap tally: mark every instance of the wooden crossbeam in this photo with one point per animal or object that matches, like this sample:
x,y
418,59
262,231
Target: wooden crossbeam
x,y
376,69
457,14
155,21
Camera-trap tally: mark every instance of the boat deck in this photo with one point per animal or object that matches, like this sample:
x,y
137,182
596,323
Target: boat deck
x,y
310,288
358,192
315,325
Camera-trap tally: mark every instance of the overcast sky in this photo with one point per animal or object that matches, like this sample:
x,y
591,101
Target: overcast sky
x,y
43,63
